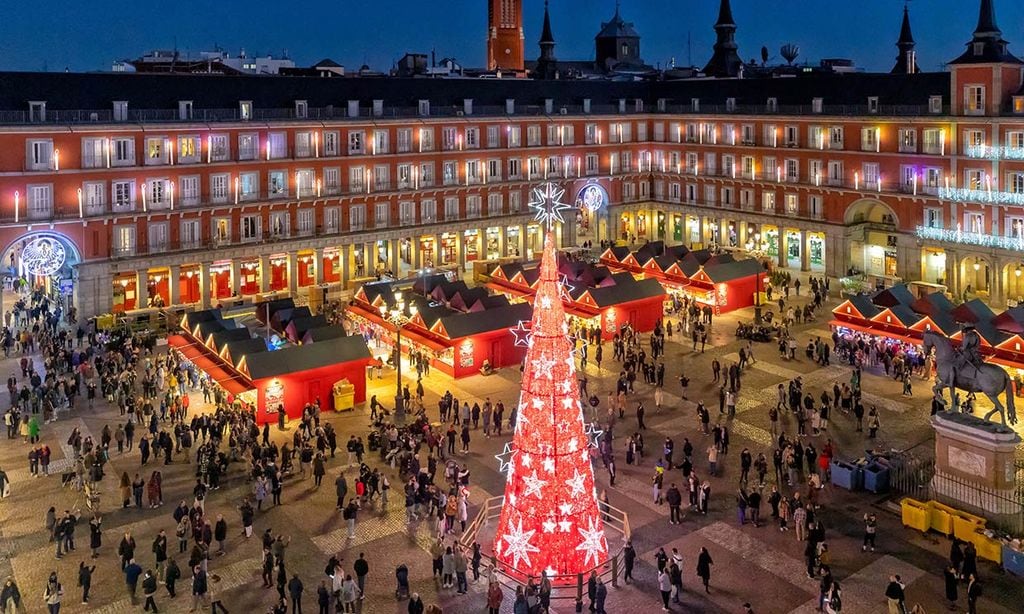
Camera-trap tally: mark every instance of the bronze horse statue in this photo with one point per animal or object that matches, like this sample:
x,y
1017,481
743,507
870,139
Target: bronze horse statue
x,y
987,379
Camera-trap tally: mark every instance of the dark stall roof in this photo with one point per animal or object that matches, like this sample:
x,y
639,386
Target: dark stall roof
x,y
226,336
907,316
608,296
301,325
863,304
890,297
215,326
207,315
619,252
973,311
323,333
305,357
990,333
933,304
737,269
468,324
1010,321
424,284
945,322
245,347
272,307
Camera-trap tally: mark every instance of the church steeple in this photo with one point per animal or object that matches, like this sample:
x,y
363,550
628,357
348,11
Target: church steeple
x,y
906,61
725,62
547,65
987,46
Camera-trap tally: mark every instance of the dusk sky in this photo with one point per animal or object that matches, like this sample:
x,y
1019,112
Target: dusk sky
x,y
90,35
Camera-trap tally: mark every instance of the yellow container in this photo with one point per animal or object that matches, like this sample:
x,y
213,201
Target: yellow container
x,y
344,396
105,321
941,517
987,547
915,514
965,524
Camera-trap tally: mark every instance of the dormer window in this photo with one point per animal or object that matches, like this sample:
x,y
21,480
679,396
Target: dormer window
x,y
772,106
935,104
730,105
979,48
245,110
816,105
873,104
1018,105
301,109
184,110
695,104
37,111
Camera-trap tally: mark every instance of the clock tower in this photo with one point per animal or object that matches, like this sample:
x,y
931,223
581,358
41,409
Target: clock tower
x,y
505,35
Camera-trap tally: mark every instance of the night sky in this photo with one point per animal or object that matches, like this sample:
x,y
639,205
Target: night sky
x,y
91,35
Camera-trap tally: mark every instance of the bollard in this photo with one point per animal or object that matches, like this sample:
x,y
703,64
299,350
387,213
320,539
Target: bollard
x,y
579,587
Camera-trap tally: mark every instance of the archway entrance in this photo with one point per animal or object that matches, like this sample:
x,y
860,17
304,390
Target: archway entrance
x,y
39,270
872,238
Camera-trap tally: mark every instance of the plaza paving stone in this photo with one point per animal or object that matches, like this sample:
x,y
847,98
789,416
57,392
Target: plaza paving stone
x,y
760,565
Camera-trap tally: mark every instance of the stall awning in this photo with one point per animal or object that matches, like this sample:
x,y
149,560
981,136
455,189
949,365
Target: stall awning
x,y
210,364
875,331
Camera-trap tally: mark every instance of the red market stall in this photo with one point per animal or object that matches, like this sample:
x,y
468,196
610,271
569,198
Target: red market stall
x,y
295,376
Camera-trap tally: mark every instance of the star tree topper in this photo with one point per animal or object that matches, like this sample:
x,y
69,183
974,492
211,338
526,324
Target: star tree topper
x,y
546,201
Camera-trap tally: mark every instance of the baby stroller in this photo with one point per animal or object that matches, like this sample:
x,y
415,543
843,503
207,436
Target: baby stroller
x,y
373,441
402,577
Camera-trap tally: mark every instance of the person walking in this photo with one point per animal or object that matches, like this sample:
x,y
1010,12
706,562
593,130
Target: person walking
x,y
149,591
973,593
84,580
295,589
895,595
675,501
200,587
132,572
628,560
870,530
171,577
704,564
52,594
952,586
362,568
665,587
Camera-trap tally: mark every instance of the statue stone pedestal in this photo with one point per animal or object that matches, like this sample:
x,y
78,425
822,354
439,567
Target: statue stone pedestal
x,y
974,462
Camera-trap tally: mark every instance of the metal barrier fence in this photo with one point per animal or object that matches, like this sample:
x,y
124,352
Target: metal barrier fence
x,y
914,475
563,587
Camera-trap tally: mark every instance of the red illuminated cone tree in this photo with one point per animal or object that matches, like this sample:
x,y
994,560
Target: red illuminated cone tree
x,y
550,519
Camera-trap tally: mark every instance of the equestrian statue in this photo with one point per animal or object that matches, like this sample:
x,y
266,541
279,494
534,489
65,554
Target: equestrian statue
x,y
964,369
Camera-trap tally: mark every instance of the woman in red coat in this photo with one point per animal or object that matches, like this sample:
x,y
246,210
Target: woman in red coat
x,y
494,597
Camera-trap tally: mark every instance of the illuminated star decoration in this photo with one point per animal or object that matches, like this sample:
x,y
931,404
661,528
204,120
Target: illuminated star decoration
x,y
593,542
546,201
593,434
564,288
505,459
522,334
533,485
575,483
543,366
517,544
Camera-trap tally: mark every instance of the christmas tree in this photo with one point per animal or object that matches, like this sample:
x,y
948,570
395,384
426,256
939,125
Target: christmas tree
x,y
550,519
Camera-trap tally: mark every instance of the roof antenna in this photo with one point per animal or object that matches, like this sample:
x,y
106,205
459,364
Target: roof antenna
x,y
689,50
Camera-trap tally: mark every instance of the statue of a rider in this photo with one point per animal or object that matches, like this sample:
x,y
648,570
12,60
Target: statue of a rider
x,y
968,357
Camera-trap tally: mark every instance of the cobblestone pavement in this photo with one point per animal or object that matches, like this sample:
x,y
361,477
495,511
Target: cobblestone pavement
x,y
760,565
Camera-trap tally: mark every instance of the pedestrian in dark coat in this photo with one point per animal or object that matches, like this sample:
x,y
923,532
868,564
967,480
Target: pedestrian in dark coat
x,y
704,564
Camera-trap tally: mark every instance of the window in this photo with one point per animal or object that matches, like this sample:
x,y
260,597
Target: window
x,y
277,184
404,176
515,168
426,139
451,208
770,135
747,134
792,136
403,140
515,201
280,223
158,193
305,183
935,104
426,178
493,136
189,190
691,133
747,164
407,213
220,149
869,139
933,141
691,163
191,234
932,179
94,196
814,207
36,111
768,202
493,170
428,211
816,105
332,220
814,171
304,144
532,136
277,145
495,204
357,217
1015,139
449,139
973,178
728,166
381,177
974,100
356,179
356,142
771,169
473,172
590,134
123,153
40,155
190,149
245,110
94,153
249,186
515,136
122,195
252,228
872,104
792,203
792,170
974,222
659,132
123,241
331,147
835,172
248,146
835,137
40,201
973,138
710,195
1015,182
472,138
332,181
872,177
158,237
301,109
221,231
772,106
304,221
908,140
380,142
450,172
474,206
424,107
908,176
120,110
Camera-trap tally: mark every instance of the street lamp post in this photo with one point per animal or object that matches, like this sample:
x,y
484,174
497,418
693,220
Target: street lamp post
x,y
398,317
757,297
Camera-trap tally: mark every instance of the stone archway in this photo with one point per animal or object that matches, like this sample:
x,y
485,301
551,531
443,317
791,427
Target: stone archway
x,y
41,259
869,210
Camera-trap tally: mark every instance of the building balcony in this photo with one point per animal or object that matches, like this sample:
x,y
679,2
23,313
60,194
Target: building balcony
x,y
957,236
